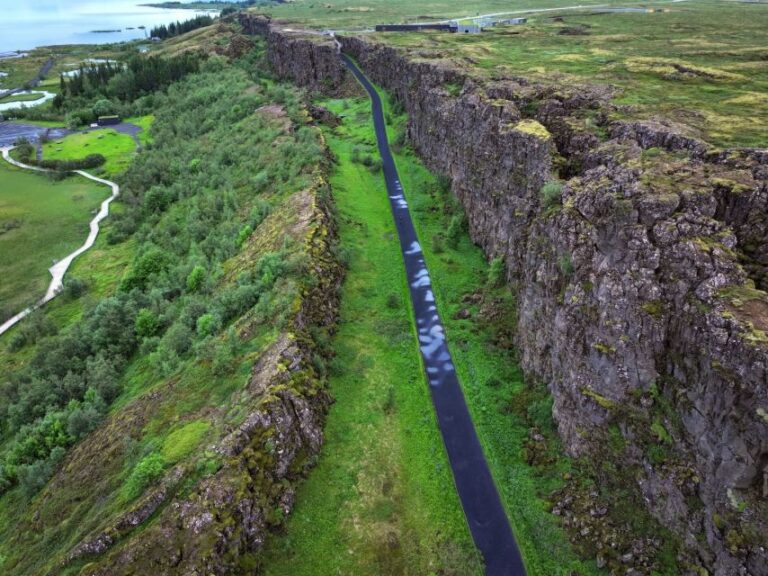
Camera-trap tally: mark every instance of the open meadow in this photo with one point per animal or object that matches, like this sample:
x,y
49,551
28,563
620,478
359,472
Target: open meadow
x,y
40,221
117,148
701,63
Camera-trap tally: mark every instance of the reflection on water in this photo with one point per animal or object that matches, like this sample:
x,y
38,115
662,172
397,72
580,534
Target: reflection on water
x,y
25,25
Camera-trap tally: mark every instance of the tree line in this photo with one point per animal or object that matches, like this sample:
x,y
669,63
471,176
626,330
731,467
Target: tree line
x,y
127,82
178,28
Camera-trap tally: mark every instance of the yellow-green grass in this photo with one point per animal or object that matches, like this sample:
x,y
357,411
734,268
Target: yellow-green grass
x,y
381,499
117,148
45,220
701,63
145,123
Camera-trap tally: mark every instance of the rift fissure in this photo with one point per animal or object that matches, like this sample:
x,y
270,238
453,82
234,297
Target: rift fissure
x,y
637,285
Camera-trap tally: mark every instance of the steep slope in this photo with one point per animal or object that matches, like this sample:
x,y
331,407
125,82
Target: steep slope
x,y
218,410
636,277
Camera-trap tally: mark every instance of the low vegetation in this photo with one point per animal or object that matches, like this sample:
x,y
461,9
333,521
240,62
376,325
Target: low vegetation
x,y
168,317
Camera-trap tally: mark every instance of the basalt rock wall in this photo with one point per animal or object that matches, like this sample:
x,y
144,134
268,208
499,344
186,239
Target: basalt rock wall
x,y
636,278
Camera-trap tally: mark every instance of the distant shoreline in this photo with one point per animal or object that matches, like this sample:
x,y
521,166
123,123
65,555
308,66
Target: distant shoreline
x,y
215,6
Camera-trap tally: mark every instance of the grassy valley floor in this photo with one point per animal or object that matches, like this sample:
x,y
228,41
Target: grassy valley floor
x,y
382,496
381,500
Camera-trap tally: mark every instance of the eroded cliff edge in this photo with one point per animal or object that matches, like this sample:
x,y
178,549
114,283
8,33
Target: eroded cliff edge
x,y
639,278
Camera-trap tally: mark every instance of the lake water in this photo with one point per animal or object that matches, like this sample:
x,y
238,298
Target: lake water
x,y
26,24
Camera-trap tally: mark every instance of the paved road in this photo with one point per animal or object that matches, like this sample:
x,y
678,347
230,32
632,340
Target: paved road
x,y
481,502
59,269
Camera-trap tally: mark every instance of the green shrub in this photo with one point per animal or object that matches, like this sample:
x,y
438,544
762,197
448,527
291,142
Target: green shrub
x,y
195,279
147,324
149,469
156,200
243,235
208,324
497,272
33,477
540,413
551,193
82,421
455,230
565,263
74,288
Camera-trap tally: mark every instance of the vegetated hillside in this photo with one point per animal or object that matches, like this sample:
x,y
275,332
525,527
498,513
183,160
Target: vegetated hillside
x,y
637,256
174,417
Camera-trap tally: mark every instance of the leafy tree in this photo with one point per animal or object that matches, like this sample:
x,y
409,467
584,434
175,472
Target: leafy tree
x,y
147,324
103,107
196,279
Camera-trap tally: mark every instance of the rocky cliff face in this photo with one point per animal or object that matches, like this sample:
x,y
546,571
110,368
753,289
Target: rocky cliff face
x,y
637,277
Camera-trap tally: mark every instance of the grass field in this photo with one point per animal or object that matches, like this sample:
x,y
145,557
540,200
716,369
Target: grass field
x,y
357,14
40,221
117,148
703,64
382,496
382,407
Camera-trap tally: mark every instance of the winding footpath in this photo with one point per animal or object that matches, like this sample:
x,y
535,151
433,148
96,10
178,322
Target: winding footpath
x,y
480,500
59,269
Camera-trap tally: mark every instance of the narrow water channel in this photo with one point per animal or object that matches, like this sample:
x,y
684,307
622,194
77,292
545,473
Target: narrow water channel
x,y
480,500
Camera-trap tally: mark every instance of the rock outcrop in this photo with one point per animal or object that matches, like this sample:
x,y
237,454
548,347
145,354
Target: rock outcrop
x,y
636,255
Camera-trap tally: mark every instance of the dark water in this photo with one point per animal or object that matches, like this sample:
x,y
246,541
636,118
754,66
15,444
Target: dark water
x,y
26,24
10,133
481,502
